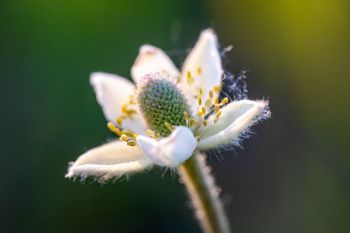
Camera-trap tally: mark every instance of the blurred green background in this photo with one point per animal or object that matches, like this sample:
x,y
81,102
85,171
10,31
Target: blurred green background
x,y
292,175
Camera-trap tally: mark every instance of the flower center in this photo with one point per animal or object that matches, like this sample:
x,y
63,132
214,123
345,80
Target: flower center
x,y
161,104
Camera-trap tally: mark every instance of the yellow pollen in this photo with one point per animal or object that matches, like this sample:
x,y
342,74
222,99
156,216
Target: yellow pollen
x,y
224,101
131,143
132,100
199,70
208,103
204,122
124,108
119,120
201,91
127,112
216,108
128,133
186,116
114,129
199,100
150,133
211,94
217,88
169,126
218,114
135,135
189,77
203,110
192,122
216,101
124,138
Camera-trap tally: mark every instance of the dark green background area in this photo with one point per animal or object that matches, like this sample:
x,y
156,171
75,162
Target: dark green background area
x,y
293,173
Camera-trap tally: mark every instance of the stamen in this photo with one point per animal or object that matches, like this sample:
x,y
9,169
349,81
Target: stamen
x,y
218,114
199,100
131,143
124,138
211,94
189,77
203,110
186,116
201,91
199,70
224,101
192,122
119,120
128,133
132,100
217,88
216,101
169,126
216,108
114,129
150,133
208,103
205,123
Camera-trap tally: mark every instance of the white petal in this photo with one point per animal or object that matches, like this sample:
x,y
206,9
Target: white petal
x,y
110,160
111,92
235,119
152,60
204,56
170,151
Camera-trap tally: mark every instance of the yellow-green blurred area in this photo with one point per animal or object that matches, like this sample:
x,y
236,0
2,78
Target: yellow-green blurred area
x,y
292,175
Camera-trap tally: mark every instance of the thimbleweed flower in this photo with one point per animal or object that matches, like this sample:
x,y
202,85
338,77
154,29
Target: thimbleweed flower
x,y
168,118
167,115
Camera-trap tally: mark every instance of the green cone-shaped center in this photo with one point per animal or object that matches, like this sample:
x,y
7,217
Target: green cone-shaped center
x,y
161,103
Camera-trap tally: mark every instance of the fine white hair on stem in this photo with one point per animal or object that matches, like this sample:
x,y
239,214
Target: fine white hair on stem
x,y
204,194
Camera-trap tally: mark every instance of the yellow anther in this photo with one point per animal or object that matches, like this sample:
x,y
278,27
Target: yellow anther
x,y
216,101
114,129
132,99
199,100
124,138
192,122
135,135
169,126
127,112
203,110
131,143
128,133
124,108
150,133
217,88
199,70
224,101
204,122
211,94
186,116
201,91
119,120
189,77
208,103
216,108
218,114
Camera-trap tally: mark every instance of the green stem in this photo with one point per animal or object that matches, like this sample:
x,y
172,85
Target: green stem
x,y
204,195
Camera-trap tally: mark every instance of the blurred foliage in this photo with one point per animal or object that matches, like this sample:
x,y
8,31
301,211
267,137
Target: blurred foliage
x,y
293,176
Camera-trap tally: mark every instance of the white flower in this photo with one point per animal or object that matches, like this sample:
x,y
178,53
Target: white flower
x,y
209,123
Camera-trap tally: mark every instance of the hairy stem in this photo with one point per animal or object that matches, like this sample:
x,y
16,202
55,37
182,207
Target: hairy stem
x,y
204,195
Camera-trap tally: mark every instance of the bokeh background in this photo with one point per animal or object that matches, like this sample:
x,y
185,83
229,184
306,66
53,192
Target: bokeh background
x,y
293,173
